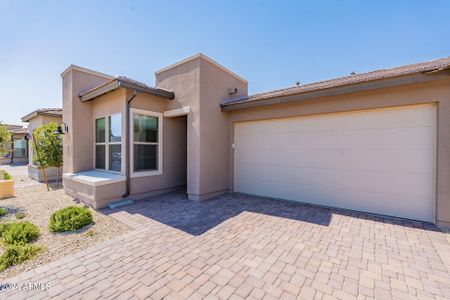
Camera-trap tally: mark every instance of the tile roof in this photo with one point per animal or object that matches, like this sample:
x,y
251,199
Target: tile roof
x,y
11,126
124,82
23,130
42,111
423,67
19,129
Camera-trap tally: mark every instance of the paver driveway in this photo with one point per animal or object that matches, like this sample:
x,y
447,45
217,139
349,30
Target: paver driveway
x,y
237,246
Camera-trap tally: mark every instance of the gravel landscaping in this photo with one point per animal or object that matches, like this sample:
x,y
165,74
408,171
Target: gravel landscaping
x,y
38,205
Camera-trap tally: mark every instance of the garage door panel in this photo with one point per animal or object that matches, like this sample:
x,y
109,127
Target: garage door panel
x,y
392,183
381,161
391,161
373,202
412,138
376,118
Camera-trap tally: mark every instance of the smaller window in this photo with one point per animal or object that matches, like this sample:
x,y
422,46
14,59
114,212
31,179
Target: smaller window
x,y
115,140
115,158
100,145
108,143
115,128
100,157
100,130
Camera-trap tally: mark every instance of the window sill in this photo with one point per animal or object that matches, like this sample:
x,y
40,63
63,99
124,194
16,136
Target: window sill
x,y
145,174
95,177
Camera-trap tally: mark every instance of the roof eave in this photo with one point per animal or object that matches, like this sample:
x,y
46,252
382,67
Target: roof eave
x,y
341,90
101,90
153,91
35,114
116,84
29,116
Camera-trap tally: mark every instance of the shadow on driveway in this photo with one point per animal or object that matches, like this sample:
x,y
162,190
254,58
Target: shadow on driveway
x,y
175,210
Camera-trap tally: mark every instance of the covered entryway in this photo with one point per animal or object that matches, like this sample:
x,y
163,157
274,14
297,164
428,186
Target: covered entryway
x,y
380,161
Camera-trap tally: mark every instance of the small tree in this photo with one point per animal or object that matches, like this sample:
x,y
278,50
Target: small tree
x,y
5,140
47,146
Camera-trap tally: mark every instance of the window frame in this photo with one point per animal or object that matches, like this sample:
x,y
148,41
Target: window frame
x,y
107,143
159,142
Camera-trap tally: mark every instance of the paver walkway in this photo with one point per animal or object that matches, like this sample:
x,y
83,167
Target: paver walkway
x,y
237,246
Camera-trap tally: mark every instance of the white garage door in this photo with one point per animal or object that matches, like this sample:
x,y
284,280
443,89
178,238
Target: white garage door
x,y
380,161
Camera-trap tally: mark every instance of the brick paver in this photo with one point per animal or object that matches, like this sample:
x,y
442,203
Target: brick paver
x,y
238,246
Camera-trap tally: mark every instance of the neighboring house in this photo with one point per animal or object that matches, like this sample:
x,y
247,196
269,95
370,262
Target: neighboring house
x,y
375,142
35,119
19,145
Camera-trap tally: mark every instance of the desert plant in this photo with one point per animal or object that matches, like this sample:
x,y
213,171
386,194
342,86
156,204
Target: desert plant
x,y
3,211
70,218
15,254
5,140
6,176
47,146
20,215
18,233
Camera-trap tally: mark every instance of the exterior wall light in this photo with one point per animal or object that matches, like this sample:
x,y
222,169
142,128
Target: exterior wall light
x,y
60,129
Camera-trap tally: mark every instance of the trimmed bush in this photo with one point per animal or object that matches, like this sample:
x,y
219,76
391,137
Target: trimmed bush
x,y
3,211
16,254
20,215
18,233
7,176
70,218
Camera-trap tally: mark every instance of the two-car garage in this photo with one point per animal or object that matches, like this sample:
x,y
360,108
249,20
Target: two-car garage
x,y
380,160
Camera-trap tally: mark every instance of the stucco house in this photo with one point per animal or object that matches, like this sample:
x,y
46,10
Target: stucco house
x,y
35,119
19,146
375,142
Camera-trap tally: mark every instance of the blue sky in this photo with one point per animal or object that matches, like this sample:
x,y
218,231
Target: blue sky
x,y
272,44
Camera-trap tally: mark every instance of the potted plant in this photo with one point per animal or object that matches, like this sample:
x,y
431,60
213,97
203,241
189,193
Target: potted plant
x,y
6,185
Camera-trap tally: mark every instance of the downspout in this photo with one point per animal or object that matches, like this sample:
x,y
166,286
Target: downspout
x,y
127,144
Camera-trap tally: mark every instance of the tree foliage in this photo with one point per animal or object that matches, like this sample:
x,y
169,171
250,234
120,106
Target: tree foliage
x,y
5,140
49,145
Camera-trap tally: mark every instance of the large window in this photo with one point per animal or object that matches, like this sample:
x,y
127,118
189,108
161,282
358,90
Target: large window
x,y
20,148
147,132
108,143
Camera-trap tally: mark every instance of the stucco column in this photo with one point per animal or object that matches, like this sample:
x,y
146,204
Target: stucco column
x,y
78,143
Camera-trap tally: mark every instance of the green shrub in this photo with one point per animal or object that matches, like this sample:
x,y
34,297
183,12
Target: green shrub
x,y
20,215
70,218
15,254
7,176
18,233
3,211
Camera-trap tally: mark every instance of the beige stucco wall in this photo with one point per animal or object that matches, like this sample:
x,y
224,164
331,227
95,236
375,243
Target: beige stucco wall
x,y
202,85
431,92
79,118
215,149
183,81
